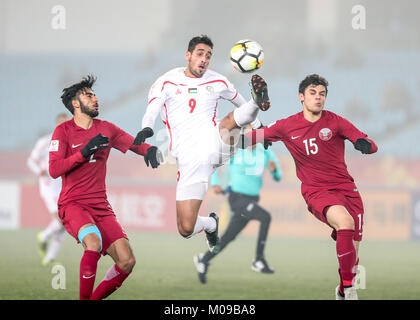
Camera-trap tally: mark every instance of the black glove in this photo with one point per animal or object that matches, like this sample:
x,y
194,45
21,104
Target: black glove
x,y
95,144
143,135
267,144
363,145
154,157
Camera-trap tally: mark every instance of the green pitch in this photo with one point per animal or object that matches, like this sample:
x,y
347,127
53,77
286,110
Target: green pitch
x,y
305,269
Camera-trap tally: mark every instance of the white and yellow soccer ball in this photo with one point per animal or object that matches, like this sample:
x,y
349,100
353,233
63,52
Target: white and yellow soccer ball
x,y
246,56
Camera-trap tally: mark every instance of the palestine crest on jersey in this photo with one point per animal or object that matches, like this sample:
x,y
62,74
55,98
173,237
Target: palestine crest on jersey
x,y
325,134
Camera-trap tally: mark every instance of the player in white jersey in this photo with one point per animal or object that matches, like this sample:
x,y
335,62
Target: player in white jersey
x,y
187,99
51,238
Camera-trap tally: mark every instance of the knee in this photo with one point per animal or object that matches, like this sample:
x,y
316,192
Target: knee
x,y
185,231
345,222
91,238
186,228
128,264
227,124
92,242
266,218
339,218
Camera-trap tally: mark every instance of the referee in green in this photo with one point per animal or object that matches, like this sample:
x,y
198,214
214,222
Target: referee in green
x,y
244,178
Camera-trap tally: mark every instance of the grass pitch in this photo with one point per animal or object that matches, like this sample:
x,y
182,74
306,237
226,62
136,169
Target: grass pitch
x,y
305,269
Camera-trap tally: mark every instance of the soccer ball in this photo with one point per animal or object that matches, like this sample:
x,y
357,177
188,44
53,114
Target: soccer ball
x,y
246,56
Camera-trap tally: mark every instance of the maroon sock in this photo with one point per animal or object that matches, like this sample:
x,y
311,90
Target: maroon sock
x,y
88,266
112,281
354,272
346,254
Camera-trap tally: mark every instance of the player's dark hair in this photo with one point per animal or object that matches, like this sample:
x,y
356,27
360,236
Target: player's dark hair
x,y
71,93
313,79
197,40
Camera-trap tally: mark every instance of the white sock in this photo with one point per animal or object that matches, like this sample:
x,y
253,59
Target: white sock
x,y
55,245
256,123
203,223
246,113
53,227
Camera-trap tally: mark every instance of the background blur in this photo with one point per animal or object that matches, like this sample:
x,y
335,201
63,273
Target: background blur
x,y
367,49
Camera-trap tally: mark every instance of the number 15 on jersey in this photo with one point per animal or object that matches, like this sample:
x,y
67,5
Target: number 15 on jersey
x,y
310,146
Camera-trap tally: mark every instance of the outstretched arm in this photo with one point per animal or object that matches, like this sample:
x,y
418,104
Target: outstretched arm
x,y
141,149
365,145
264,135
359,139
152,154
123,141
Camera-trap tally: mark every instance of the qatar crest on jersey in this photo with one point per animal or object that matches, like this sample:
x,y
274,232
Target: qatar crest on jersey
x,y
325,134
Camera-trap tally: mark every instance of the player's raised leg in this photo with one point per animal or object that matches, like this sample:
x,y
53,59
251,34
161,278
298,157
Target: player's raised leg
x,y
122,254
246,113
339,218
91,239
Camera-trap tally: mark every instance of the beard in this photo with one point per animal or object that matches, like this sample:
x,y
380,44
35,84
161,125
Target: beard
x,y
196,73
86,110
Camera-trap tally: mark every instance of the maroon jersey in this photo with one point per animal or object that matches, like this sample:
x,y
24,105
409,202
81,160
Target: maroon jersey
x,y
317,149
85,178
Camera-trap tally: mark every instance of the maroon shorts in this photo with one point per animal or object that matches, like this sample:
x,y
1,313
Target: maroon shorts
x,y
76,214
318,203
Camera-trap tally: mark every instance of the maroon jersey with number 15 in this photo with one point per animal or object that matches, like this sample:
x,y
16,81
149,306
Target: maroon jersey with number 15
x,y
85,178
317,149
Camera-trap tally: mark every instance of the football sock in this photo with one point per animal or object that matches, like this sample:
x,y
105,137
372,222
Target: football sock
x,y
346,254
256,124
203,223
246,113
88,266
55,245
112,281
341,287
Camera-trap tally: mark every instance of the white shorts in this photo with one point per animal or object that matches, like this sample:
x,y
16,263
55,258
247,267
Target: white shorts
x,y
196,165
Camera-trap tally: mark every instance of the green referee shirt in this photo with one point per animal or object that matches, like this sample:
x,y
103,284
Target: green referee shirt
x,y
246,171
